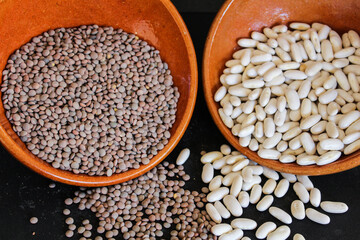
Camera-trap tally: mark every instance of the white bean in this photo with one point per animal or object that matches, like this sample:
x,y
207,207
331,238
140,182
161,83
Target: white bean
x,y
269,173
331,144
233,205
272,141
305,180
259,36
310,50
292,98
298,209
183,156
264,97
298,236
229,178
290,134
305,159
328,157
239,91
324,32
327,51
240,165
244,223
352,68
271,74
315,40
308,143
310,121
290,177
282,188
328,96
245,57
281,233
346,40
221,228
260,58
269,154
215,183
287,158
255,194
266,228
334,207
225,149
217,194
207,173
347,119
269,127
271,107
213,213
269,186
236,185
280,215
301,192
265,203
221,209
295,74
246,42
220,94
295,52
232,235
211,156
354,38
350,138
315,197
345,52
352,147
270,33
332,130
317,216
265,48
299,26
244,199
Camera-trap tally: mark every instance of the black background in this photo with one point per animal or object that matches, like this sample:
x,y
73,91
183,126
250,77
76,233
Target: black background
x,y
24,194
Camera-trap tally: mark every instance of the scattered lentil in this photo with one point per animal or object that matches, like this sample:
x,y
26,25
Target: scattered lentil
x,y
34,220
143,207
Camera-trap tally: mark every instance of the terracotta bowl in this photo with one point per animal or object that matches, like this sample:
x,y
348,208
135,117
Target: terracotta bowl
x,y
237,19
156,21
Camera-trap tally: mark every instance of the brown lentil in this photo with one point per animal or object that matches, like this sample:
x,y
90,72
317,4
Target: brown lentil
x,y
90,99
34,220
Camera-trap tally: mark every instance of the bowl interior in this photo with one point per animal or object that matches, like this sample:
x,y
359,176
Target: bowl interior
x,y
237,19
155,21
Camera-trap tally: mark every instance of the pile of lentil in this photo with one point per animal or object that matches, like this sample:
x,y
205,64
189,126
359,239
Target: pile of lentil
x,y
142,208
90,99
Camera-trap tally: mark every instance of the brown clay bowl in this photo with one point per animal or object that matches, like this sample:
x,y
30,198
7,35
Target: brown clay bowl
x,y
237,19
156,21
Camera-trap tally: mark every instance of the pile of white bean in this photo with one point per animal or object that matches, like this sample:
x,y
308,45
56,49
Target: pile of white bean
x,y
294,95
240,184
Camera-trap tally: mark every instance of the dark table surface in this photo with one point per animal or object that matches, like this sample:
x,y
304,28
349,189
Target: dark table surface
x,y
24,194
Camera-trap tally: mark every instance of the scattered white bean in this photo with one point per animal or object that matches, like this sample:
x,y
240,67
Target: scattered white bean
x,y
334,207
280,215
298,209
317,216
315,197
264,230
244,223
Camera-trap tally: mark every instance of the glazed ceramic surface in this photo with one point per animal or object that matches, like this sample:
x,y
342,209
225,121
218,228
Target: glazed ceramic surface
x,y
237,19
156,21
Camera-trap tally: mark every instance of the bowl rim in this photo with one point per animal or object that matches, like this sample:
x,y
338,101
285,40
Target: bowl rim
x,y
70,178
311,170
